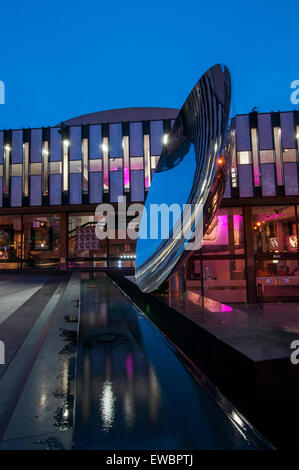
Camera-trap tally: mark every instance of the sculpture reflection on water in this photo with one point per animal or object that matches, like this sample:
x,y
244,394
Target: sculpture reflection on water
x,y
191,172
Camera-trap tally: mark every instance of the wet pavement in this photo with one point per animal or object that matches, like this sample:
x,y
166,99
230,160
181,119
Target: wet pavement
x,y
37,387
134,390
252,336
284,315
15,290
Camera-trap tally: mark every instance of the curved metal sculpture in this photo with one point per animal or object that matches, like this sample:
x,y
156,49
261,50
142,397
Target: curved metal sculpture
x,y
191,173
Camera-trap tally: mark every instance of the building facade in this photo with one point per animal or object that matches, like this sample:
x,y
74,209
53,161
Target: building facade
x,y
53,178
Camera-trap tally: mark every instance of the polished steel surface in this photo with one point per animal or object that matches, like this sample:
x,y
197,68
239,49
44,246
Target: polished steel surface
x,y
192,170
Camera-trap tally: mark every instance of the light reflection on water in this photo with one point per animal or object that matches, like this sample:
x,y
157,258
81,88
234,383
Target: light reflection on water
x,y
107,405
128,399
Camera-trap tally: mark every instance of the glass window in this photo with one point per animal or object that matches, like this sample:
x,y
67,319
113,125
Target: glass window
x,y
244,158
10,242
122,253
225,234
276,268
116,164
266,156
41,241
95,165
278,279
274,229
225,280
85,249
75,166
136,163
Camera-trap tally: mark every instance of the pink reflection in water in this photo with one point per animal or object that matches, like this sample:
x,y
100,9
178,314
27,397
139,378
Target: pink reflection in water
x,y
129,366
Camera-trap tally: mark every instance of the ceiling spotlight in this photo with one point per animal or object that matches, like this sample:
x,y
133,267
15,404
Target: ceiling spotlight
x,y
7,147
165,139
104,147
66,143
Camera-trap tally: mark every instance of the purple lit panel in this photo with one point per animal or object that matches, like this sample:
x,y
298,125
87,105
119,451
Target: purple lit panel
x,y
75,191
75,143
243,133
156,137
245,180
55,190
136,139
17,147
1,149
55,145
116,185
265,132
137,185
1,192
35,190
95,140
287,130
36,146
291,179
95,187
16,191
115,140
268,179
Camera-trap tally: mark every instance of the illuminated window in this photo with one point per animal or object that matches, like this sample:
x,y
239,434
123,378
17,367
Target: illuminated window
x,y
244,158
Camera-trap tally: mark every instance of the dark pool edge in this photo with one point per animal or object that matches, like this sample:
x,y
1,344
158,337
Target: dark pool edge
x,y
265,392
256,439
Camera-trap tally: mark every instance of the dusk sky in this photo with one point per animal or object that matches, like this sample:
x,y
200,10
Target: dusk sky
x,y
60,59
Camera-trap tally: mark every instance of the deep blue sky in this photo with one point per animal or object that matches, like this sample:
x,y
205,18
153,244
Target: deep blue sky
x,y
60,59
